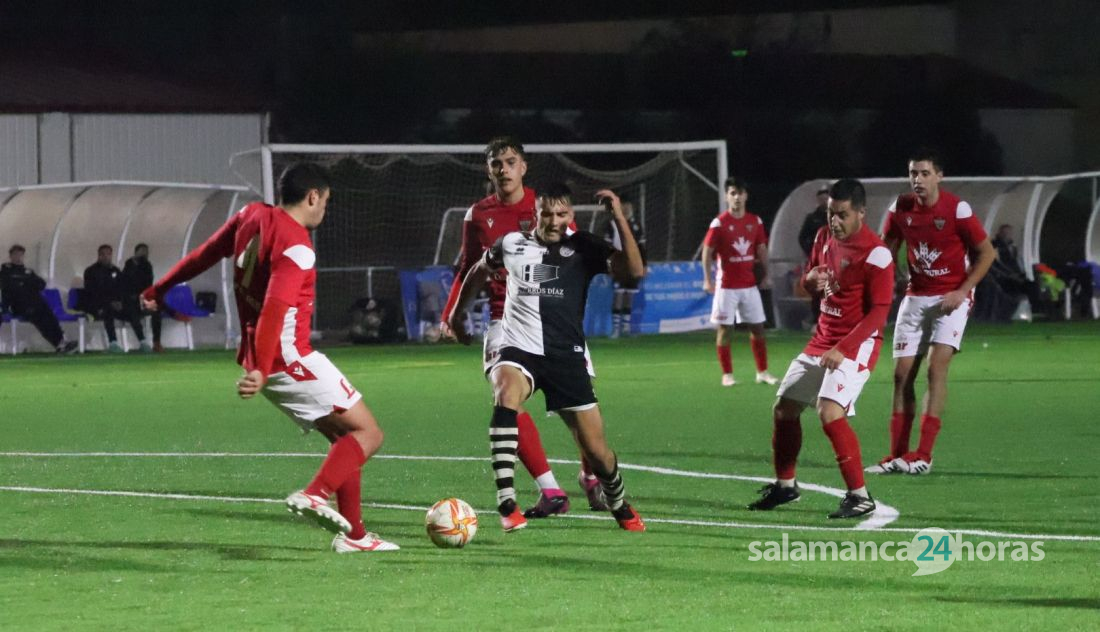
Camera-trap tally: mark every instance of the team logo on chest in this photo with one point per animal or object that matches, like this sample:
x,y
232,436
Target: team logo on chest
x,y
908,220
939,222
566,251
742,245
489,221
525,225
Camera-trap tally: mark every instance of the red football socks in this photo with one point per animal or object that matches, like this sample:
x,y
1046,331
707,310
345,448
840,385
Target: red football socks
x,y
350,503
759,353
530,450
901,426
345,457
786,444
846,446
929,428
725,360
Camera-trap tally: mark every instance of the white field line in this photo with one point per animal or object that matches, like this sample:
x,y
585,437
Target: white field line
x,y
883,515
695,523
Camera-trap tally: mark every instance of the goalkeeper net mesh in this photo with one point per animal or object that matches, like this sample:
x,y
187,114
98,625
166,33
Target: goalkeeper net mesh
x,y
401,208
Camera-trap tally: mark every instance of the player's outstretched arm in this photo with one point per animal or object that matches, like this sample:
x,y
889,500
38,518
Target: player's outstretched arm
x,y
468,256
473,283
199,260
627,263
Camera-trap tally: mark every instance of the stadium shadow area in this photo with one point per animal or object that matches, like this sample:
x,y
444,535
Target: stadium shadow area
x,y
1082,603
226,551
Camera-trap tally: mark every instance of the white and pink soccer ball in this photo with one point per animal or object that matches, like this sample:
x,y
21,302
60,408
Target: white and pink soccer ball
x,y
451,523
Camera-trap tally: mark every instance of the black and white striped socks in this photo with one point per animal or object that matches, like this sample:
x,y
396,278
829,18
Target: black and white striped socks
x,y
503,442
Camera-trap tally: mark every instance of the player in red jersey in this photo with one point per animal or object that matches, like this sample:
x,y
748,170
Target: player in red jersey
x,y
941,233
510,208
852,272
738,239
274,280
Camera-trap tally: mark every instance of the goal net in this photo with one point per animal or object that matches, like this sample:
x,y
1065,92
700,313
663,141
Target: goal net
x,y
399,208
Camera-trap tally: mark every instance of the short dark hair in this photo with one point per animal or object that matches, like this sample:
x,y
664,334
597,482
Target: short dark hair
x,y
140,246
16,248
500,143
103,247
557,192
299,179
737,183
928,154
850,190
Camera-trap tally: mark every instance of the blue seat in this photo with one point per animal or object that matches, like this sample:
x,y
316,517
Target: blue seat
x,y
182,301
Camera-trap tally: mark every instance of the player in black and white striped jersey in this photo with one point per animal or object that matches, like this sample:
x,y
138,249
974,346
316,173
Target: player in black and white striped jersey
x,y
548,272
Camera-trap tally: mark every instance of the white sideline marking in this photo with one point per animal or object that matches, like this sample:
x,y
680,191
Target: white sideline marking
x,y
695,523
883,515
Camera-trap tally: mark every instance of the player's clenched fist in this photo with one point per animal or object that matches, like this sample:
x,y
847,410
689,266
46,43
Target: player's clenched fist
x,y
250,384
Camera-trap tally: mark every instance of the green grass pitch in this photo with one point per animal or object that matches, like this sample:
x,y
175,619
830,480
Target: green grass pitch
x,y
1017,455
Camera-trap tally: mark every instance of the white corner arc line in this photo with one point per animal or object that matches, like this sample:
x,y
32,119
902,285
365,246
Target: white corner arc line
x,y
883,515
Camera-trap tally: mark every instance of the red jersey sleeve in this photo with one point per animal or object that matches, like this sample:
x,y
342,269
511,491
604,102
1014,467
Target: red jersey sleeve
x,y
289,271
878,295
711,239
761,236
968,227
211,251
468,256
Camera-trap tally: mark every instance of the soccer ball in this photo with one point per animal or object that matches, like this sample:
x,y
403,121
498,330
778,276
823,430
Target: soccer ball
x,y
451,523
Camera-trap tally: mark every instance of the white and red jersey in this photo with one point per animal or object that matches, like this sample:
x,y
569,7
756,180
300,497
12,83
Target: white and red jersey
x,y
857,300
485,223
273,279
734,240
938,239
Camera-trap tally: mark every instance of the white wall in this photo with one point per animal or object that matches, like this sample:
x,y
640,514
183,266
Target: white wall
x,y
58,147
18,149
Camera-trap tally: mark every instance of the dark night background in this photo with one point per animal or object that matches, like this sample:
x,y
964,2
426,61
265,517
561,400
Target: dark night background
x,y
346,72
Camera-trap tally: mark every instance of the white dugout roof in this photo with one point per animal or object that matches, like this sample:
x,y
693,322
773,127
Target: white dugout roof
x,y
62,226
1020,201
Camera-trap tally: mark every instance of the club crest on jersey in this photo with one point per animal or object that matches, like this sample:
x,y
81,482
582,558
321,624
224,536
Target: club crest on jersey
x,y
566,251
525,225
844,263
489,221
939,222
908,220
742,246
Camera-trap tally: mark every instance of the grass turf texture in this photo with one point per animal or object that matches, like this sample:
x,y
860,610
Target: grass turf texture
x,y
1017,454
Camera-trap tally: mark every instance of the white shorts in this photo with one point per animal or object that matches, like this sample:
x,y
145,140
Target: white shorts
x,y
737,306
494,342
806,380
921,323
310,389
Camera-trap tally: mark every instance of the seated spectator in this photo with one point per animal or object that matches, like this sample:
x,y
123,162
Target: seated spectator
x,y
1006,270
21,296
104,298
137,274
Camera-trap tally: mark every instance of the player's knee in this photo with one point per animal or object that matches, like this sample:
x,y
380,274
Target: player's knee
x,y
786,410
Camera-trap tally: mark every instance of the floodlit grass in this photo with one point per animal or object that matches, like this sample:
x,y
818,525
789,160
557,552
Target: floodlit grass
x,y
1017,455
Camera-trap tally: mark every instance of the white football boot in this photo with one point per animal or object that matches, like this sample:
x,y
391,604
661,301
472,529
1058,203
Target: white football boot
x,y
317,508
367,544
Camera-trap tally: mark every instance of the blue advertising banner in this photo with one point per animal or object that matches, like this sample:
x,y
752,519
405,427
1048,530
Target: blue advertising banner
x,y
423,296
672,299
